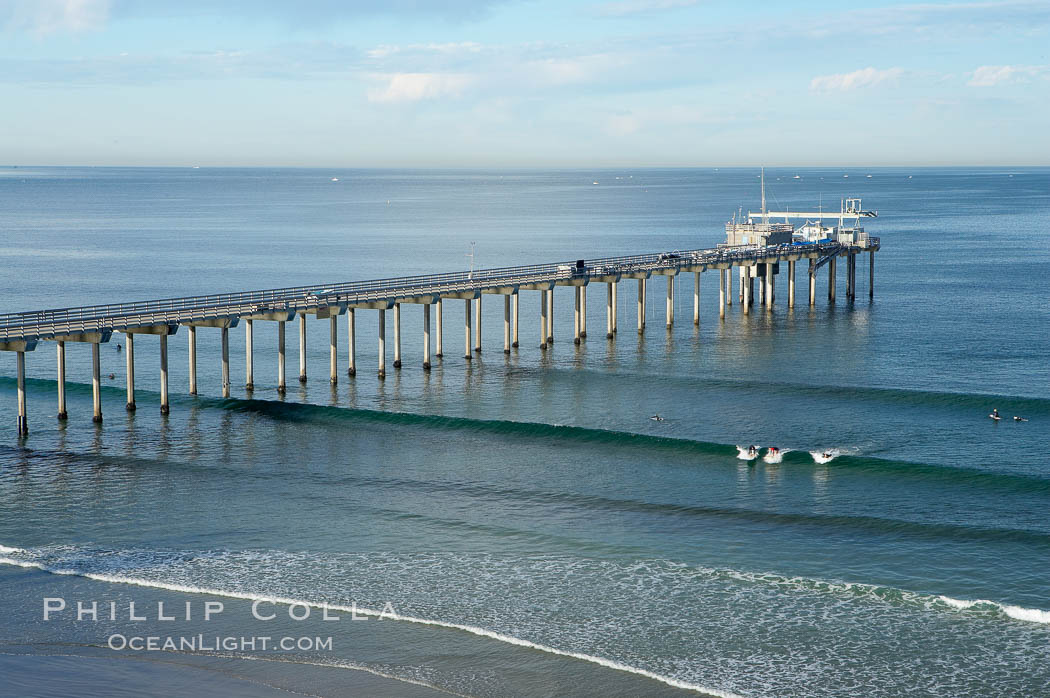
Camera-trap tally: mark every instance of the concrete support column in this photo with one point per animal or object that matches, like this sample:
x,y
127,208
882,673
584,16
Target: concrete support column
x,y
302,347
129,362
769,286
641,306
745,299
722,293
670,301
550,315
729,285
193,358
438,351
426,336
225,361
249,356
543,319
96,385
23,421
351,340
791,284
477,325
812,282
382,344
62,381
583,312
831,279
761,287
743,281
506,324
397,335
616,305
576,315
696,298
165,408
871,274
333,349
280,357
466,329
609,311
514,338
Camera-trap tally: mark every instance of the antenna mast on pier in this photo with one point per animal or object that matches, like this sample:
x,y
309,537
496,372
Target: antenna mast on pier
x,y
765,218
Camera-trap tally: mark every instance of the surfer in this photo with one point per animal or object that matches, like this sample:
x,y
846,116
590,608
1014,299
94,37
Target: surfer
x,y
657,418
1019,419
827,454
752,450
773,450
995,414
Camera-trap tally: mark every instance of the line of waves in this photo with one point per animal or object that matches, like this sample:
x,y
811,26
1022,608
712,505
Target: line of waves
x,y
385,614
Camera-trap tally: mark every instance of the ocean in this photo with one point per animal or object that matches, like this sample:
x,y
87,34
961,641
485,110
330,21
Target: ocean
x,y
517,525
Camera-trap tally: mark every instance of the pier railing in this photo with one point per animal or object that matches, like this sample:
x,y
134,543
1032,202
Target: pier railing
x,y
44,324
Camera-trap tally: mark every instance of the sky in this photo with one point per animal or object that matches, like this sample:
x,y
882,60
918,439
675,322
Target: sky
x,y
524,83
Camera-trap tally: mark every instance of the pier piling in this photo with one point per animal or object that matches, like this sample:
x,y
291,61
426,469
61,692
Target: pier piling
x,y
397,335
281,387
440,331
129,362
226,361
333,349
351,342
62,414
302,347
477,325
514,341
381,371
96,385
543,319
193,356
426,336
609,311
466,329
249,358
20,363
165,408
722,293
696,298
506,324
583,312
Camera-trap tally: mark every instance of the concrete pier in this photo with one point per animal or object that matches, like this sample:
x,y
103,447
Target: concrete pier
x,y
745,299
226,361
249,357
576,316
831,280
351,342
193,356
791,283
20,370
467,329
670,301
302,347
641,306
382,344
281,386
165,408
722,293
129,362
506,324
514,340
333,349
397,335
696,298
477,325
62,414
543,319
96,385
812,282
583,312
426,336
438,351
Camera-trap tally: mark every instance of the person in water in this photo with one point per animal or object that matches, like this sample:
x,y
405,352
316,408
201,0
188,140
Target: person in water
x,y
657,418
752,450
995,413
1020,419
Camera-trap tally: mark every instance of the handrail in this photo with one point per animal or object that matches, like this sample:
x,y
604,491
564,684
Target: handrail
x,y
41,324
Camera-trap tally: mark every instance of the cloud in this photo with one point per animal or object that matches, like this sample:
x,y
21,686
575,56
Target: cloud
x,y
414,87
42,17
865,77
622,8
622,125
992,75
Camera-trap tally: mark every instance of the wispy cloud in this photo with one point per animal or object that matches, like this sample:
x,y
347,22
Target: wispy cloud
x,y
43,17
623,8
865,77
992,75
414,87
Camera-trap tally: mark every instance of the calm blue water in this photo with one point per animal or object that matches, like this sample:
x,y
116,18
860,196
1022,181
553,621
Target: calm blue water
x,y
527,499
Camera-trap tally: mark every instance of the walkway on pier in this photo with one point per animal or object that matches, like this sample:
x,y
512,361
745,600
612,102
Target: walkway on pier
x,y
21,332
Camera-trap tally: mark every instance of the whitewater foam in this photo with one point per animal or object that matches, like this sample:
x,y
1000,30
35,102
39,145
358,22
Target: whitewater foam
x,y
384,614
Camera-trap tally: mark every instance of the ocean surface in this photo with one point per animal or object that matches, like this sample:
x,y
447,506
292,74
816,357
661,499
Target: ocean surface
x,y
519,522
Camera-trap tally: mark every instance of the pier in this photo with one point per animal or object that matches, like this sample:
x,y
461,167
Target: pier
x,y
24,332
